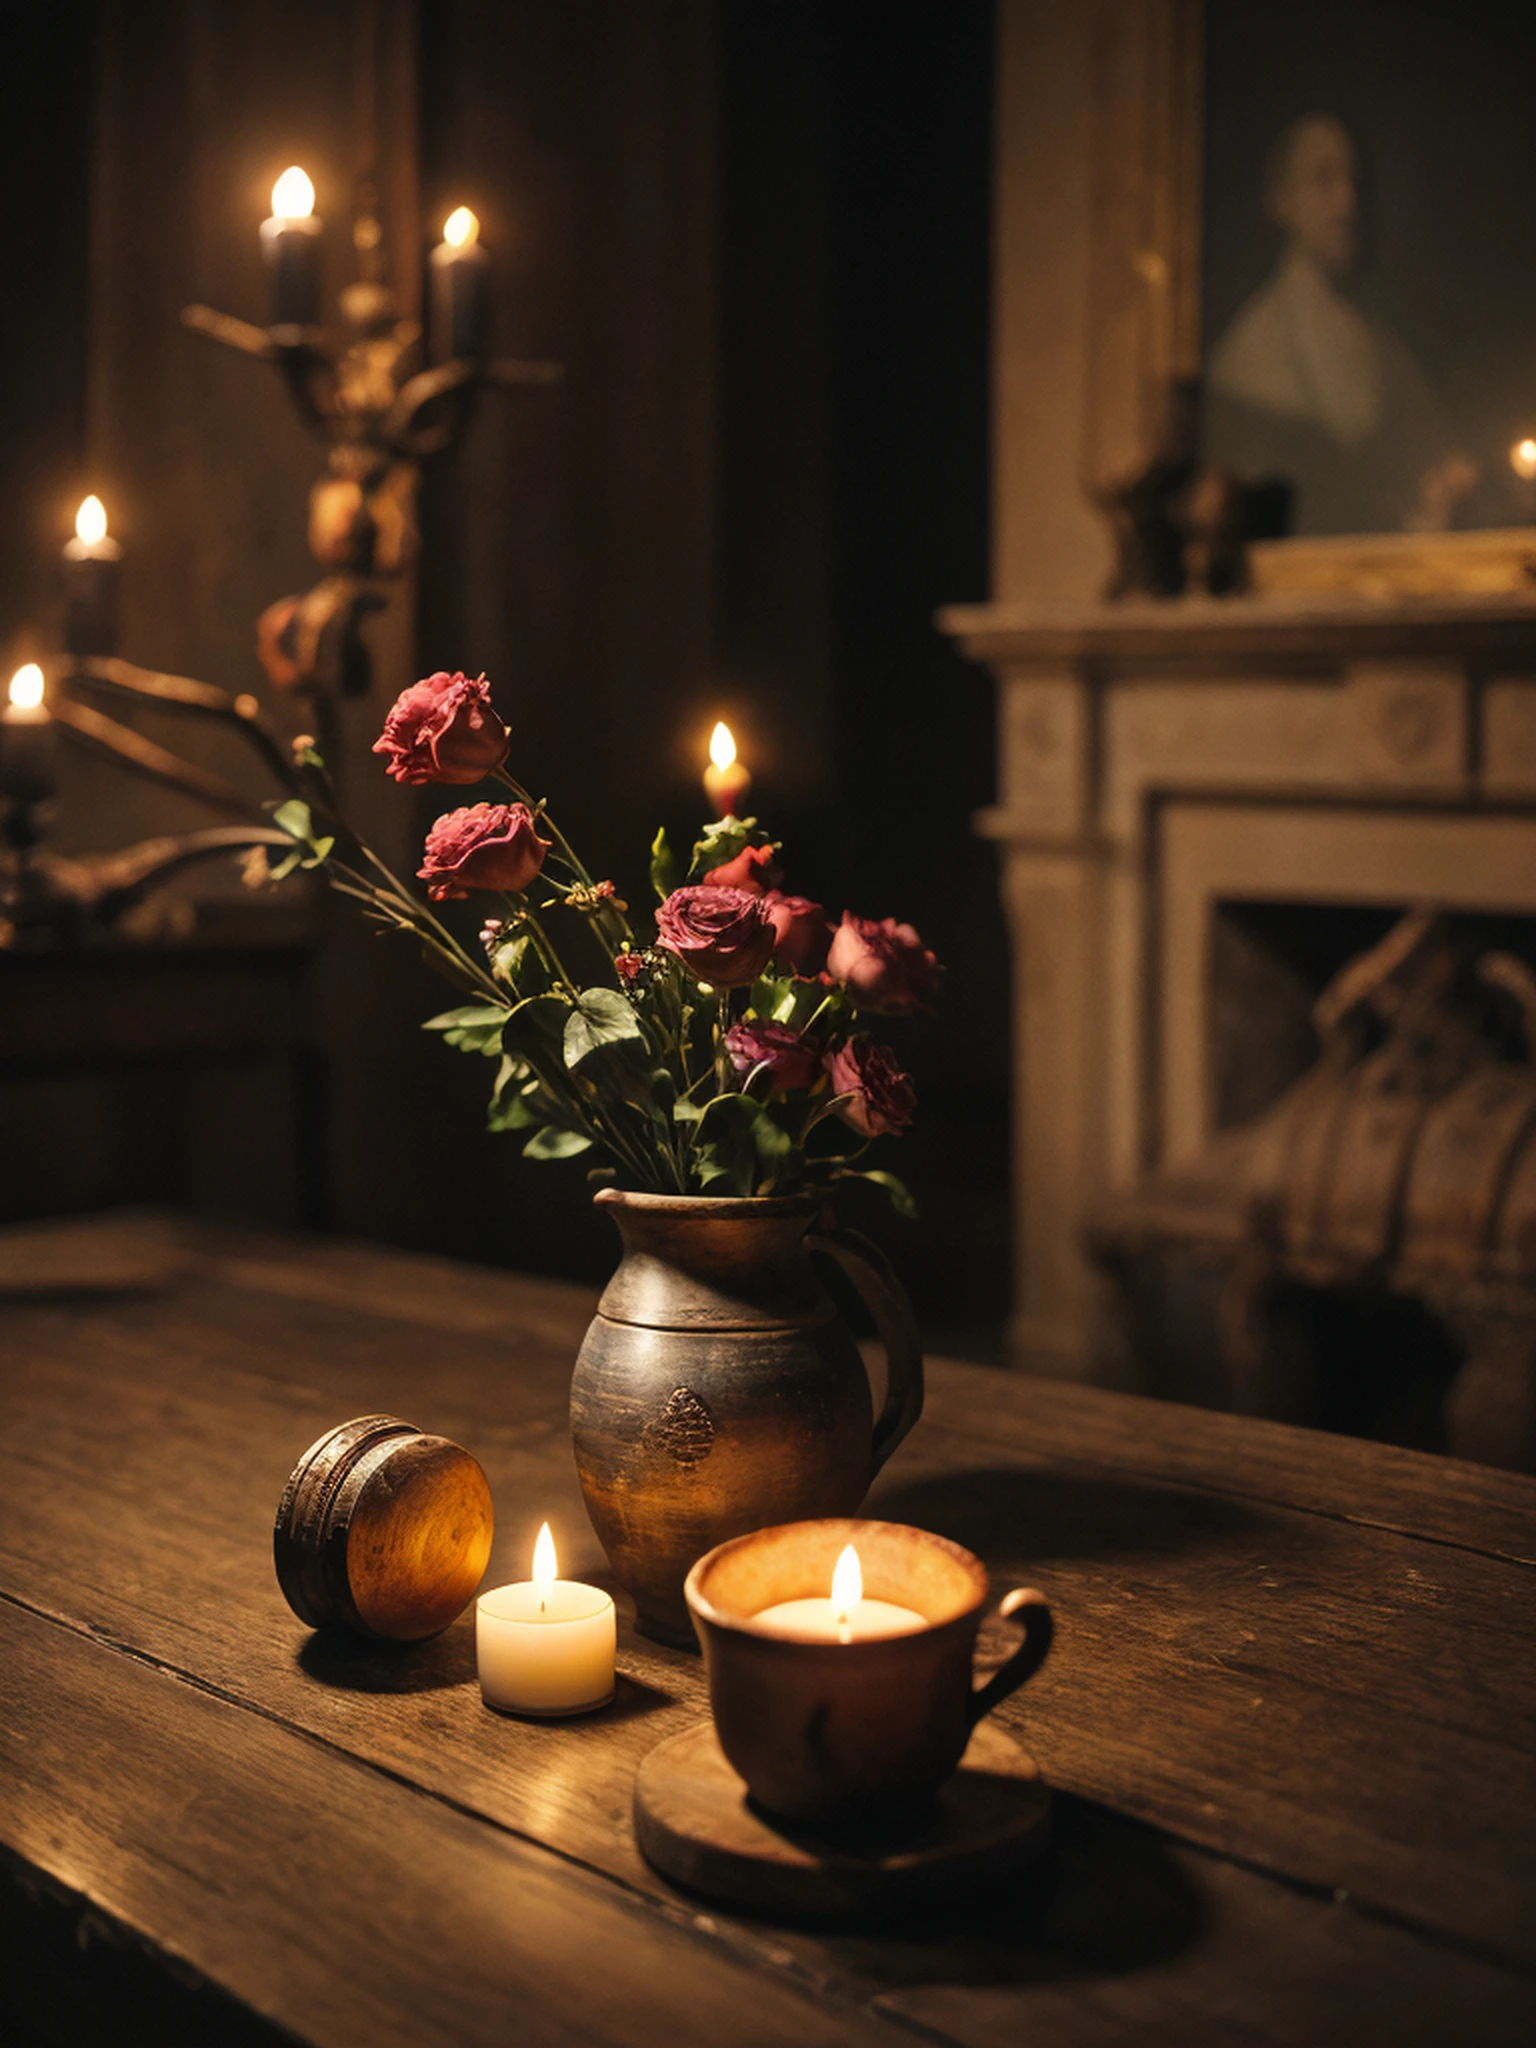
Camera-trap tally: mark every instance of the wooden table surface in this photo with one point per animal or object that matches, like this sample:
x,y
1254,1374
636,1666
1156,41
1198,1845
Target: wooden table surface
x,y
1289,1714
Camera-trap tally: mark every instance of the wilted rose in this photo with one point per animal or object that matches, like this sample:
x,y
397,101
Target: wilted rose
x,y
880,1097
485,846
752,869
720,935
789,1060
801,932
443,729
883,965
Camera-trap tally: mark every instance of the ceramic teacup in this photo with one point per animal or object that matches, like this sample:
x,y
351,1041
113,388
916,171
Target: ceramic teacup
x,y
822,1731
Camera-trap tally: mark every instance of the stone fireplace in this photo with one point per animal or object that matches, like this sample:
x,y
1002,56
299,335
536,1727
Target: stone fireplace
x,y
1161,763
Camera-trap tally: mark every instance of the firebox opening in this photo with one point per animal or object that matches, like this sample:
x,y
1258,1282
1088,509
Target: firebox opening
x,y
1270,962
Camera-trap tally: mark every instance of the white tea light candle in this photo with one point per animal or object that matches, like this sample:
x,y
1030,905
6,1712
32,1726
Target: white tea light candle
x,y
545,1646
847,1617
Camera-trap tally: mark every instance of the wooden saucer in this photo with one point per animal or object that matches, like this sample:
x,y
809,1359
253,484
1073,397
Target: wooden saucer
x,y
696,1825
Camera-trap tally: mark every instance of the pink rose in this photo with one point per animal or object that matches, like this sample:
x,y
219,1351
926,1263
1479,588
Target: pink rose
x,y
752,870
720,935
443,729
801,932
486,846
880,1096
883,965
790,1061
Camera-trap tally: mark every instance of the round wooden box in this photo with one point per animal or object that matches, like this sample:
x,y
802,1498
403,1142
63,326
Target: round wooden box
x,y
382,1529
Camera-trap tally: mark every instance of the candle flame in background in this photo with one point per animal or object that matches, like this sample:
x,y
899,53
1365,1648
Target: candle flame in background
x,y
545,1568
293,196
27,687
91,521
722,746
461,228
1522,458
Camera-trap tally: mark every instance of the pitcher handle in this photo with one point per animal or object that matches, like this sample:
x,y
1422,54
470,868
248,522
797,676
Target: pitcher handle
x,y
885,1298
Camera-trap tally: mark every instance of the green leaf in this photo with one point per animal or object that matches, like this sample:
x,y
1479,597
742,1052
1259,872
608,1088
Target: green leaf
x,y
770,993
663,867
722,841
901,1199
778,1156
507,958
685,1112
601,1017
724,1146
551,1144
534,1029
294,818
475,1028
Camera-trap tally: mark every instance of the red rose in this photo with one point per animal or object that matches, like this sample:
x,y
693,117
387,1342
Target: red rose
x,y
629,967
443,729
752,870
883,965
720,935
801,932
486,846
790,1061
880,1096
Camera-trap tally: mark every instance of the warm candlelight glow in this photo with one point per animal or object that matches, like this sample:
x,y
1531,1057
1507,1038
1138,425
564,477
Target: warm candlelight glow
x,y
722,746
91,522
1522,459
847,1583
545,1567
461,228
293,196
27,687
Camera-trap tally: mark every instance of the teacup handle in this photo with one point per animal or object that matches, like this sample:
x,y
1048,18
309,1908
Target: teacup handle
x,y
1035,1618
885,1298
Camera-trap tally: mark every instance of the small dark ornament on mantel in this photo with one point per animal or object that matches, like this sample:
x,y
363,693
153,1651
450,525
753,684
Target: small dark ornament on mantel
x,y
1143,507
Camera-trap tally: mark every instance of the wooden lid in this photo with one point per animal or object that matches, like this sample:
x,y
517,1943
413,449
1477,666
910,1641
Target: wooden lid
x,y
382,1529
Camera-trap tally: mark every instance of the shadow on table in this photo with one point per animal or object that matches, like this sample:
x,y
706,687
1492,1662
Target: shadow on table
x,y
335,1657
1030,1516
1110,1899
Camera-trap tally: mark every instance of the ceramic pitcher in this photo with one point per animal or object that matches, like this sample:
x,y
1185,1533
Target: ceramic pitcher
x,y
718,1390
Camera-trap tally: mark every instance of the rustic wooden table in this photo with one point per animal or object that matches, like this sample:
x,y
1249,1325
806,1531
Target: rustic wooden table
x,y
1289,1716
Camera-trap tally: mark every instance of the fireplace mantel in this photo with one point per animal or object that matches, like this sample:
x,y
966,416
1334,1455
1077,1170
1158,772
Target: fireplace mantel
x,y
1157,759
1244,635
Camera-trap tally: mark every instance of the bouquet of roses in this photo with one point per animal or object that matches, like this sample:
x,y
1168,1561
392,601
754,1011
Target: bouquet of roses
x,y
724,1056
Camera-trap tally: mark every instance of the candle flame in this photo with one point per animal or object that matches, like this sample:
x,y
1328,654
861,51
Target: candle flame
x,y
545,1568
91,521
293,196
847,1583
27,687
722,746
1522,458
461,229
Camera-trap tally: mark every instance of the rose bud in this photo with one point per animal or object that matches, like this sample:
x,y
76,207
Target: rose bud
x,y
883,965
443,729
801,933
486,846
789,1060
881,1097
720,935
752,870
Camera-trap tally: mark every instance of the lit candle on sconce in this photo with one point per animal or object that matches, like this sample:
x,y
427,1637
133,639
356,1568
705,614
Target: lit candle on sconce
x,y
92,572
845,1617
726,780
460,278
545,1646
1522,460
290,245
27,739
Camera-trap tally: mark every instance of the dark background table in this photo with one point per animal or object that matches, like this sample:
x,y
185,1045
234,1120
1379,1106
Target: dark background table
x,y
1289,1714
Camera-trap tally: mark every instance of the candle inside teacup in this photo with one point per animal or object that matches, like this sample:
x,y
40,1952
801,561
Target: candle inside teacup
x,y
821,1725
845,1616
545,1646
